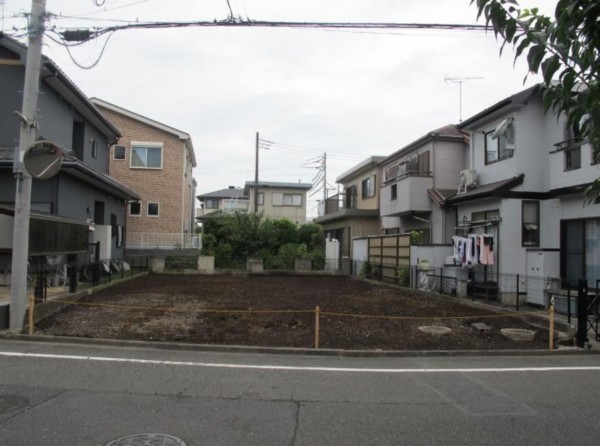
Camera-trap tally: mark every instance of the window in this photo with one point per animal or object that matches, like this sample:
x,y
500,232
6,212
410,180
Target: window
x,y
287,199
211,203
119,153
94,149
368,187
394,190
135,209
530,217
152,209
502,146
573,158
146,156
261,198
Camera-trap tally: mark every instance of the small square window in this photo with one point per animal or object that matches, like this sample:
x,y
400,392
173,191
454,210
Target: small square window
x,y
135,209
119,153
152,209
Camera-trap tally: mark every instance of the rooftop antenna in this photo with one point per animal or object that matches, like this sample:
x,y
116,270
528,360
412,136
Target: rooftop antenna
x,y
460,81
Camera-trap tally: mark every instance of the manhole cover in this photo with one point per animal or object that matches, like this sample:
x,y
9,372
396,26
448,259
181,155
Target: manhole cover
x,y
12,402
147,440
435,329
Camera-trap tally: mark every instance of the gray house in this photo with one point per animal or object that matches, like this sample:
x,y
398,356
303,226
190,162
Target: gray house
x,y
82,196
416,181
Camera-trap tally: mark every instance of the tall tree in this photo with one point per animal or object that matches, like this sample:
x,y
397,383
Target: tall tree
x,y
565,49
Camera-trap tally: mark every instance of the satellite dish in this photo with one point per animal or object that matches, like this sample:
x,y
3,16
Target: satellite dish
x,y
43,160
501,129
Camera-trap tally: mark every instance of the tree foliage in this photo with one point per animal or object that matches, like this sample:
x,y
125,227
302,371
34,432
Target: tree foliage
x,y
565,50
232,238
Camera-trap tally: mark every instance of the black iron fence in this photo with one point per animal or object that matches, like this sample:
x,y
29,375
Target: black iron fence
x,y
50,277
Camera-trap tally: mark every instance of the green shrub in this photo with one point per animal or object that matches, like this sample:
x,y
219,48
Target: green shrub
x,y
403,275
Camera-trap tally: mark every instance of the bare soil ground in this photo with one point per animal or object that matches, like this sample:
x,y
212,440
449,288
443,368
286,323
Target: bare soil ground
x,y
225,309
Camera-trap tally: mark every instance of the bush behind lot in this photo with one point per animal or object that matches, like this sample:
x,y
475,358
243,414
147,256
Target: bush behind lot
x,y
279,242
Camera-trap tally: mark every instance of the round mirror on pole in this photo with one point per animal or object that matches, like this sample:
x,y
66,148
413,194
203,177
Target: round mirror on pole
x,y
43,160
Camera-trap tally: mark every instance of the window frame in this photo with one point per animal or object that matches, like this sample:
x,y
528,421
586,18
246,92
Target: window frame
x,y
115,153
504,145
139,203
285,195
261,198
394,192
368,187
525,242
157,209
137,145
211,200
572,158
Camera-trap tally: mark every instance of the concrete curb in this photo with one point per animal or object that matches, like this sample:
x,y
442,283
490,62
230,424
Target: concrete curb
x,y
6,335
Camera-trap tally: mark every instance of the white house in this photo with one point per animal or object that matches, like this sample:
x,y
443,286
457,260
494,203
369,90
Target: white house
x,y
523,184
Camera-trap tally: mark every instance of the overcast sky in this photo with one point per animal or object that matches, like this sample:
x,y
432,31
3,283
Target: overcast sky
x,y
350,93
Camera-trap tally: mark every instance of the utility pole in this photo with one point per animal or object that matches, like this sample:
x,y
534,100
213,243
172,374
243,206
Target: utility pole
x,y
27,137
324,177
460,81
256,177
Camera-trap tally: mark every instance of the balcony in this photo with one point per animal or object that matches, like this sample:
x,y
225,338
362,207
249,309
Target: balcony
x,y
571,164
406,194
235,205
337,203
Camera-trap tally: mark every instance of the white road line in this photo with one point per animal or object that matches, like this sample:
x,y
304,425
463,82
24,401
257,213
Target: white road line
x,y
296,368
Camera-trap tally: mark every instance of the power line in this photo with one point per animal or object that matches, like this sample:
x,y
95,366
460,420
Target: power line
x,y
70,35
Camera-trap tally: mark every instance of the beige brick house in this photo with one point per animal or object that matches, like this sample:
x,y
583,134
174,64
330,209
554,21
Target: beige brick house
x,y
156,161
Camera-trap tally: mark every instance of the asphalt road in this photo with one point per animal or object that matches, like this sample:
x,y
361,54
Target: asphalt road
x,y
62,394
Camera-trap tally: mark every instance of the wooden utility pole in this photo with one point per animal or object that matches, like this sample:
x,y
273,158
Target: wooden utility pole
x,y
256,178
20,249
324,178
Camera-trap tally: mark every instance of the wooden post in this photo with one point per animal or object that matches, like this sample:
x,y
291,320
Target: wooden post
x,y
31,306
317,311
551,334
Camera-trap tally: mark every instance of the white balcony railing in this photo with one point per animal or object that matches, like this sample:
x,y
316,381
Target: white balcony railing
x,y
235,205
148,240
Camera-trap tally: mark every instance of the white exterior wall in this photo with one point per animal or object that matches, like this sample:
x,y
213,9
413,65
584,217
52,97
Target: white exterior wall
x,y
448,160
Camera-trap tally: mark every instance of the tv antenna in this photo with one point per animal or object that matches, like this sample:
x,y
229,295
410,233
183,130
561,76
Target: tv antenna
x,y
460,81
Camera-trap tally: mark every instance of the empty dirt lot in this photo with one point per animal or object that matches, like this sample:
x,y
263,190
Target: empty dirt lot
x,y
279,311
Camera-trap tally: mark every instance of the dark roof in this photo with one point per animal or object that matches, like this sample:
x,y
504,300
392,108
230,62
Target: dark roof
x,y
448,132
277,185
230,192
488,190
516,100
53,76
440,195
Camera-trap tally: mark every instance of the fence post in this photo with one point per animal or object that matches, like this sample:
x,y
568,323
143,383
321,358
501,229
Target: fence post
x,y
551,334
441,280
31,307
517,304
581,338
569,302
317,311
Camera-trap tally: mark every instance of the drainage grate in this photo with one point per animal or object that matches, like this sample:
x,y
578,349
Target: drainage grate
x,y
147,440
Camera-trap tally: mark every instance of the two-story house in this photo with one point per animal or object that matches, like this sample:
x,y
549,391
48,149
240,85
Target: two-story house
x,y
278,200
156,160
232,199
354,212
65,206
527,173
417,179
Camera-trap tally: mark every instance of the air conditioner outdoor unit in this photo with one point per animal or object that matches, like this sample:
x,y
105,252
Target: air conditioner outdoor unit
x,y
468,178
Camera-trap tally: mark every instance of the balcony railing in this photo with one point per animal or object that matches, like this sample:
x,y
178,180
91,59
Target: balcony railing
x,y
235,205
572,150
149,240
337,203
411,173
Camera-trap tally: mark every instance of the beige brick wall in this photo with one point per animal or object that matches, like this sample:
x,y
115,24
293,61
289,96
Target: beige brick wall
x,y
170,186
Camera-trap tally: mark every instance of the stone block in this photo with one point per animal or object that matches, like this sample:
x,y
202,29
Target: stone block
x,y
206,265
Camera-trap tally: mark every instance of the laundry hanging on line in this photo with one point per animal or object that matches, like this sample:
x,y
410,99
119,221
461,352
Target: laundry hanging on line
x,y
475,249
